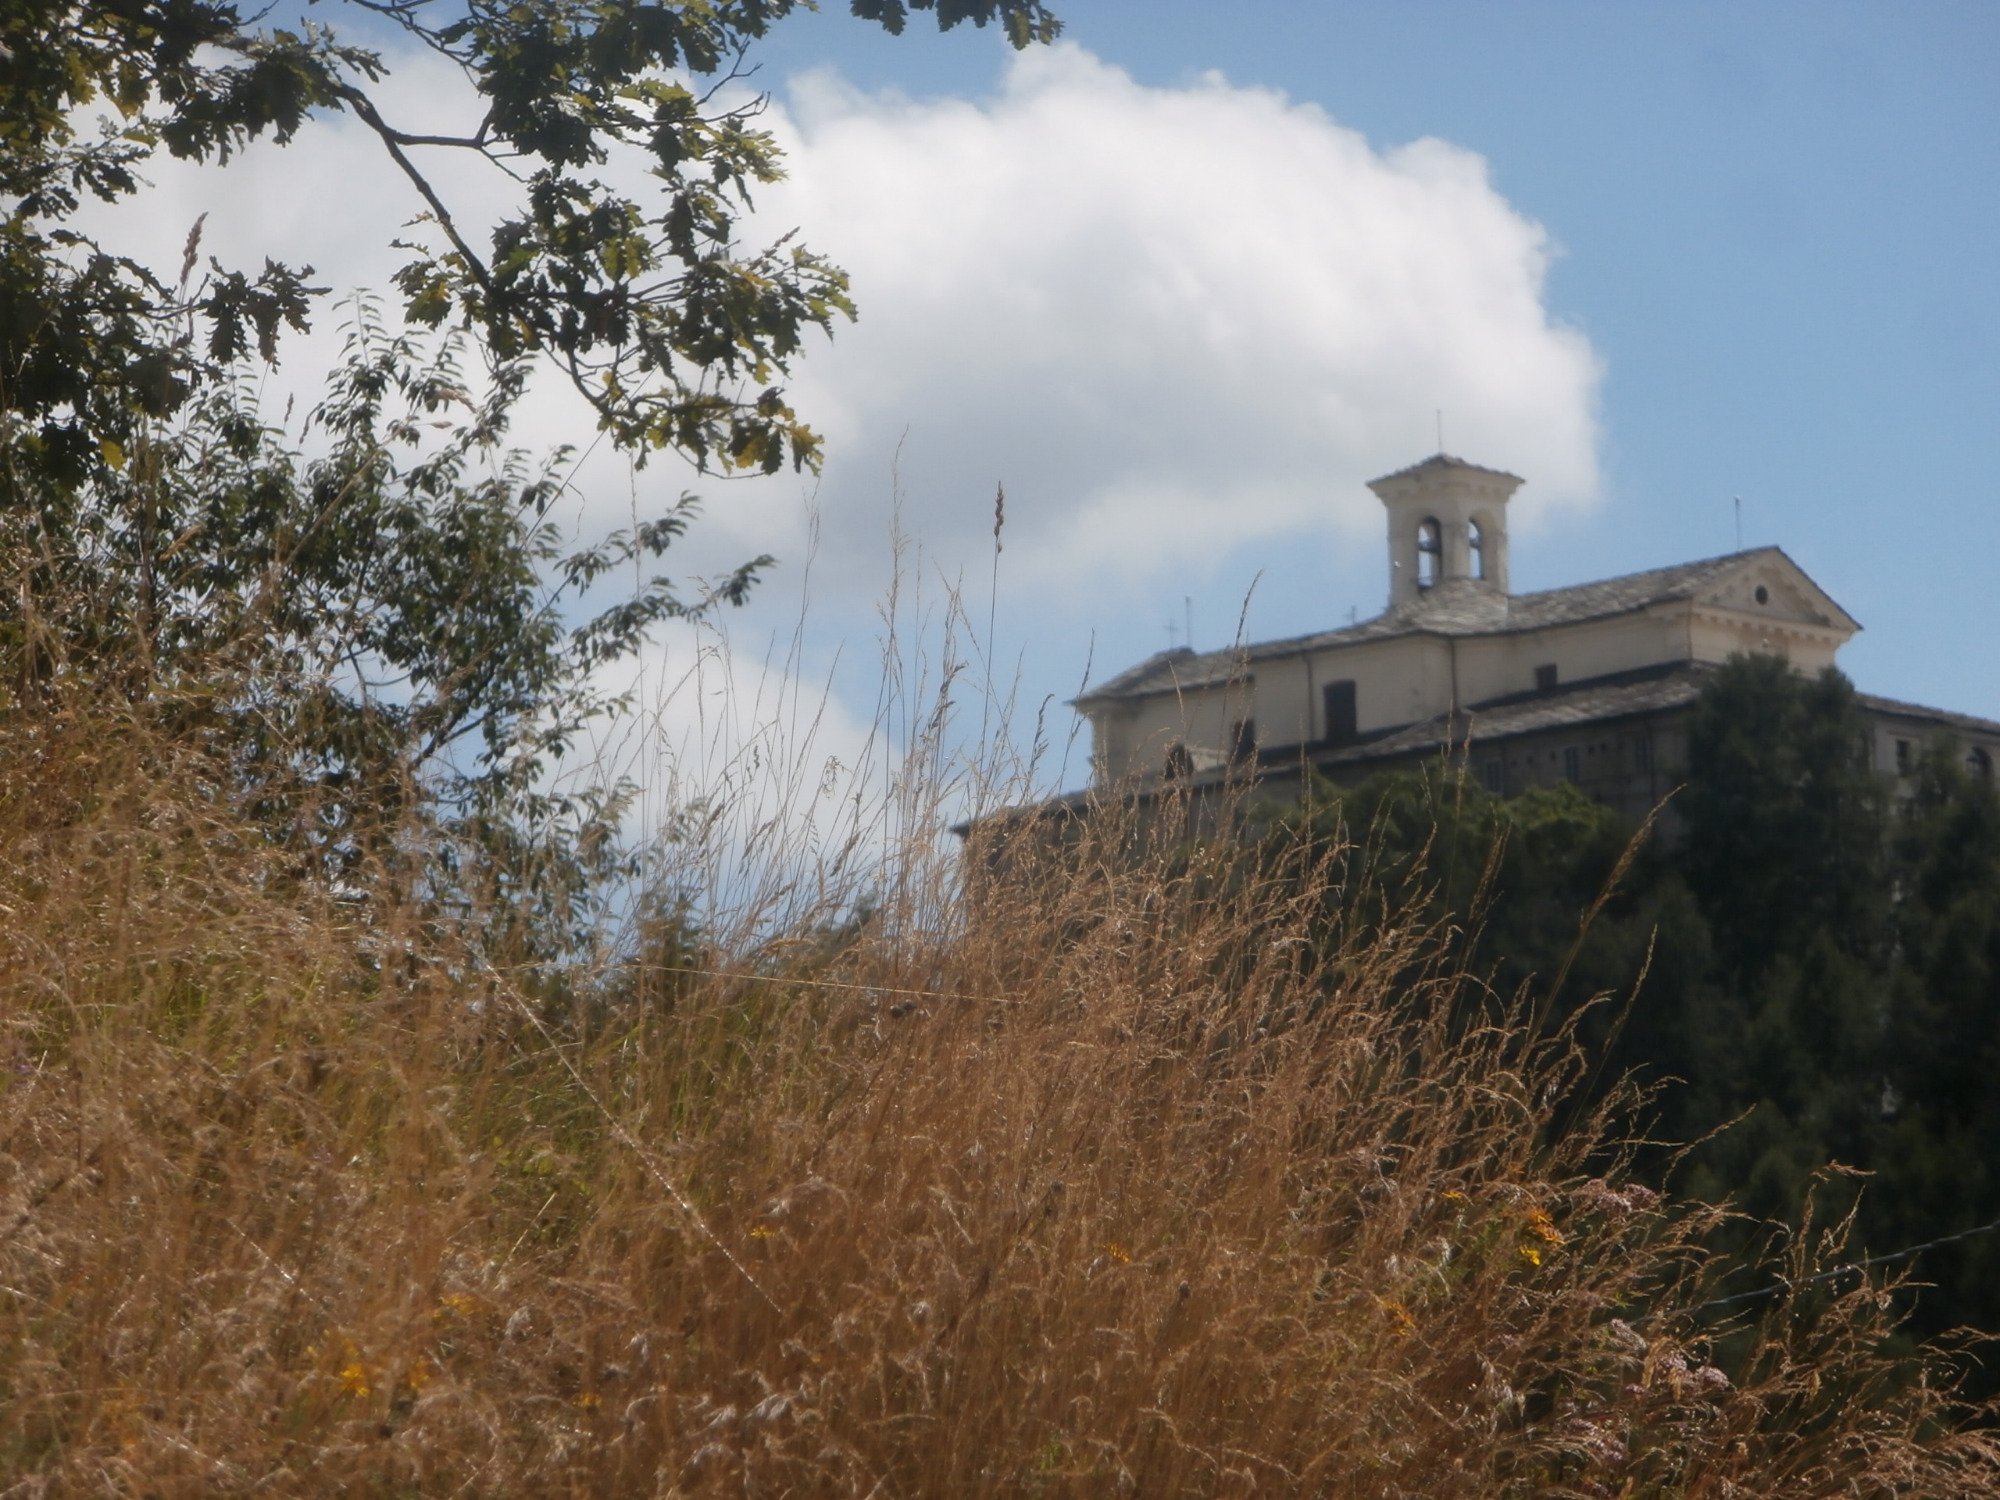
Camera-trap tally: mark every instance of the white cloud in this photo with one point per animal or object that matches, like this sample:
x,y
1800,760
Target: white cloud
x,y
1184,325
757,774
1177,322
762,793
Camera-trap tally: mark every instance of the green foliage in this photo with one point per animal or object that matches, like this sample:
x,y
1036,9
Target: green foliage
x,y
676,331
1941,1120
1821,962
1517,876
380,609
1779,762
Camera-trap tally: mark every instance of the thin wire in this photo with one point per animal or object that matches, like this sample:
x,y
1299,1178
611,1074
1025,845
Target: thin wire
x,y
644,1155
821,984
1860,1265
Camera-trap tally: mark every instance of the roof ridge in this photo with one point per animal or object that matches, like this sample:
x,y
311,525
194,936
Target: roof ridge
x,y
1442,459
1661,571
1447,613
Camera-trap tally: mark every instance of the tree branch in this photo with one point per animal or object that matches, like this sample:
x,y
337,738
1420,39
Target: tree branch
x,y
393,140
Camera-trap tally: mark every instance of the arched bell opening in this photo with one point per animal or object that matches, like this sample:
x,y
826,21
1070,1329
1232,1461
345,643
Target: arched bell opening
x,y
1430,553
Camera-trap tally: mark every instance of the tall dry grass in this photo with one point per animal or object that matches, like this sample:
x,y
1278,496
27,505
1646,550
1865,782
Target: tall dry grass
x,y
1116,1174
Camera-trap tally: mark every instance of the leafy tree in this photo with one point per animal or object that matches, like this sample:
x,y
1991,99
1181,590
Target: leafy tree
x,y
1547,888
1786,852
1822,965
395,605
1785,831
1821,961
1942,1122
668,324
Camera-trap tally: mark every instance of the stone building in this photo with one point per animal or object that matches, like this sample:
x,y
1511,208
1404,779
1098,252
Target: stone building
x,y
1590,684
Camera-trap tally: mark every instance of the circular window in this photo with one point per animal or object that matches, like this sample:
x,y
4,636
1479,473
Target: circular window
x,y
1763,594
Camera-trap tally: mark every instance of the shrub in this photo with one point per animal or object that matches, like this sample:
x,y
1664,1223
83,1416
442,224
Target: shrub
x,y
1087,1171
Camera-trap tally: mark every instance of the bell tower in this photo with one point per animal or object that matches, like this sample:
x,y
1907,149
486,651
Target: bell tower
x,y
1447,527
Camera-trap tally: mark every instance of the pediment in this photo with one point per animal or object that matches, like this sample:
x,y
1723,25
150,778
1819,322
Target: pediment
x,y
1769,585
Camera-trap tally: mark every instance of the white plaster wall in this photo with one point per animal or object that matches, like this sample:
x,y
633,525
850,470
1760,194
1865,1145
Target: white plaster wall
x,y
1883,754
1718,636
1493,666
1410,678
1395,681
1132,739
1284,702
1920,736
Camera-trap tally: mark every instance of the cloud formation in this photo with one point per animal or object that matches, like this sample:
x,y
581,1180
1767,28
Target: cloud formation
x,y
1183,325
1177,322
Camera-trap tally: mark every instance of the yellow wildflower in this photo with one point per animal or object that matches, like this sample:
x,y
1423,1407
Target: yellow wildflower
x,y
1399,1315
1531,1255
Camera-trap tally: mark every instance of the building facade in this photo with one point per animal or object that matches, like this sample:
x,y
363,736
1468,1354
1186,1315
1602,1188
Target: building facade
x,y
1590,684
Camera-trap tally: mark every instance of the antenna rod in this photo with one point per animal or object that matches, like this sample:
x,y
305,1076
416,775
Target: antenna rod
x,y
1440,417
1739,523
1187,603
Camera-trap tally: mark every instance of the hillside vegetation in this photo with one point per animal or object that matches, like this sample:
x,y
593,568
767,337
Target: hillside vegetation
x,y
1820,945
1105,1172
346,1146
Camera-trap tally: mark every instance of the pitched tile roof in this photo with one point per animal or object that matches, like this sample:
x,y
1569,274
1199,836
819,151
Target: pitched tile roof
x,y
1444,461
1942,718
1597,701
1456,609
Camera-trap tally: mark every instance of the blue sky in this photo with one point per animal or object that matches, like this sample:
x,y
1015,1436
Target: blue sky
x,y
1186,282
1777,226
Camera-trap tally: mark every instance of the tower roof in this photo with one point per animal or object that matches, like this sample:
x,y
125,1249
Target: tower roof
x,y
1444,463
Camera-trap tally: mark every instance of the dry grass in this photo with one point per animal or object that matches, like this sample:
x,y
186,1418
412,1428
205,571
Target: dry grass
x,y
1114,1175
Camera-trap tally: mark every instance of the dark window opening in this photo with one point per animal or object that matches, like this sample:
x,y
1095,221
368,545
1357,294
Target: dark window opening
x,y
1476,539
1979,763
1430,553
1342,723
1572,764
1545,678
1243,741
1493,776
1903,756
1763,594
1180,764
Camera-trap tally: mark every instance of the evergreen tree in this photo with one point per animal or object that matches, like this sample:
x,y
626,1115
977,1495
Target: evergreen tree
x,y
1937,1171
1822,966
1784,819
